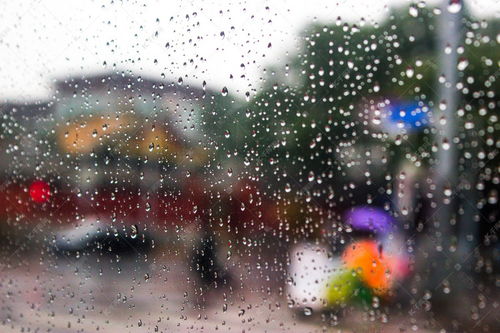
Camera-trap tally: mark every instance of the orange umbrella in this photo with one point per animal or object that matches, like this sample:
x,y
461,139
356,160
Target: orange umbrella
x,y
372,265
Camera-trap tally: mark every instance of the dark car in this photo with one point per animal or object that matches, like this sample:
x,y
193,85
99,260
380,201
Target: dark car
x,y
101,238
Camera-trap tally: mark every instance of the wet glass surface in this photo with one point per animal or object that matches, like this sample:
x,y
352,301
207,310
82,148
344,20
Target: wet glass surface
x,y
249,166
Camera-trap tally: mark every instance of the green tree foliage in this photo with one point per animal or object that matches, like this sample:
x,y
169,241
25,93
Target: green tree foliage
x,y
315,108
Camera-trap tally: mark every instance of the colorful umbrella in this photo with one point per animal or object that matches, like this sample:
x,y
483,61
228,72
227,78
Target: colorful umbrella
x,y
370,219
346,286
373,266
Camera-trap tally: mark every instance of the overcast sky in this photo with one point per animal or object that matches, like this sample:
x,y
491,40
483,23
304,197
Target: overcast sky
x,y
198,40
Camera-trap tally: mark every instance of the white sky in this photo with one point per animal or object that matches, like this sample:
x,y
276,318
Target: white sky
x,y
42,40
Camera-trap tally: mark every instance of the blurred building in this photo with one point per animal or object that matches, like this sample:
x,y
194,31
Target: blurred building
x,y
125,122
117,144
21,125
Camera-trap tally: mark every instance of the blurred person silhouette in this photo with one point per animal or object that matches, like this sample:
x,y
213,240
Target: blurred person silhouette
x,y
210,273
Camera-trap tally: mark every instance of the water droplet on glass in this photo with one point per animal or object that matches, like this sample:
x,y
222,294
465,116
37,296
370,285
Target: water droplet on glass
x,y
308,311
454,6
134,231
493,197
413,11
462,64
442,105
446,144
409,72
310,177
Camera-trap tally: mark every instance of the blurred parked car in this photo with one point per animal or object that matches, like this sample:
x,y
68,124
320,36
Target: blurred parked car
x,y
95,237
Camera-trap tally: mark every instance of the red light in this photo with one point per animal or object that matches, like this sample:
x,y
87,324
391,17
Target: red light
x,y
39,191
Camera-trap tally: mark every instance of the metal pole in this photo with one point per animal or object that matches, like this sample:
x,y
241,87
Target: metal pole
x,y
449,31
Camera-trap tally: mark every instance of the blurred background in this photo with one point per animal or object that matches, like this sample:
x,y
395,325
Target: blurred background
x,y
260,166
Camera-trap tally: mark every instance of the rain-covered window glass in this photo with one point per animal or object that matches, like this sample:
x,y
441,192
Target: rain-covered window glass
x,y
250,166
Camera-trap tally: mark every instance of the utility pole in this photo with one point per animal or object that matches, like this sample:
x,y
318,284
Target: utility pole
x,y
442,236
